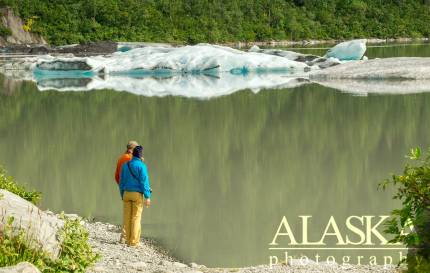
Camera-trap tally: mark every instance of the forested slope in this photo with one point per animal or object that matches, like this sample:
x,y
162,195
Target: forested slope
x,y
192,21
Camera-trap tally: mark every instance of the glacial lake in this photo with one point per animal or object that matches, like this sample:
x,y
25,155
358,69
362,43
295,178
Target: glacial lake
x,y
224,171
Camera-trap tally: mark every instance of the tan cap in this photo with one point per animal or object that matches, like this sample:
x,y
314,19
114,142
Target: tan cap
x,y
131,144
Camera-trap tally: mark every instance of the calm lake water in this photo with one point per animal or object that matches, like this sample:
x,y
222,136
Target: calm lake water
x,y
224,171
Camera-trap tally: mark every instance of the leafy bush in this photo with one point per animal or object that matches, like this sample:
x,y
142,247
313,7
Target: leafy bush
x,y
28,26
8,183
4,31
414,191
75,256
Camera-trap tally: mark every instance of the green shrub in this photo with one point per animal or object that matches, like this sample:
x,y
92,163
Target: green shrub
x,y
4,31
8,183
14,248
413,190
75,254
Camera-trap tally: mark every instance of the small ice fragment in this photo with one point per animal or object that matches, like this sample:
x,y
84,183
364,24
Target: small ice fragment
x,y
124,48
254,48
347,51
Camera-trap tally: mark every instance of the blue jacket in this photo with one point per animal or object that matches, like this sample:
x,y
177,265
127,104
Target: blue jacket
x,y
128,183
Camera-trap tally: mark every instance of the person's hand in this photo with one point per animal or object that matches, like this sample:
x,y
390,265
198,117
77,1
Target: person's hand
x,y
142,158
147,202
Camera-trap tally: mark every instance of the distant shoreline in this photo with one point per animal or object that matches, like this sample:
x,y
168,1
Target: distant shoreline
x,y
109,47
311,42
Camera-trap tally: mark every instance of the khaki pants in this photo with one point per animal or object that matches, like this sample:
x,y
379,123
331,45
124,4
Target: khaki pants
x,y
132,213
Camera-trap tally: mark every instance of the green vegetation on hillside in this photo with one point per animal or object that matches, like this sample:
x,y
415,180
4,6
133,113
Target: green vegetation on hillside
x,y
67,21
4,31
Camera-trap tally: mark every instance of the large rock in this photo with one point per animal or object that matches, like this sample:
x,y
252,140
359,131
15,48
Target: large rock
x,y
23,267
41,228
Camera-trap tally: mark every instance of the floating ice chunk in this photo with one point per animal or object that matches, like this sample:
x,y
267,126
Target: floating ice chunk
x,y
254,48
388,68
188,59
124,48
350,50
323,62
309,59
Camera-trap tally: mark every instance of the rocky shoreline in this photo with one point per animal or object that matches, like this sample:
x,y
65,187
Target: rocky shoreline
x,y
117,257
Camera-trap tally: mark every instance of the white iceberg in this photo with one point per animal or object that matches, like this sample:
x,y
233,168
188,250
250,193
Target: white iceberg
x,y
202,58
347,51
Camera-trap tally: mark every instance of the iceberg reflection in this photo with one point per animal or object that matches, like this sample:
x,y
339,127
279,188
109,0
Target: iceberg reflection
x,y
205,86
195,86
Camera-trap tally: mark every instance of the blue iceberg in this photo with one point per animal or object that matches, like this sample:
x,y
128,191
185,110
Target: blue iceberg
x,y
348,51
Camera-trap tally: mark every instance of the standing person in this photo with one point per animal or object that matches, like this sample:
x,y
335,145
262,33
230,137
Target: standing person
x,y
134,185
125,157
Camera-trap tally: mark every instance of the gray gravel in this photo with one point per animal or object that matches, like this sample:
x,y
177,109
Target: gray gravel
x,y
117,257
